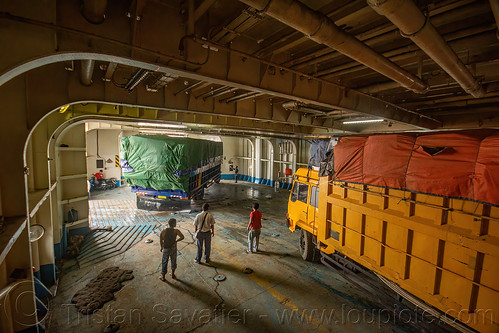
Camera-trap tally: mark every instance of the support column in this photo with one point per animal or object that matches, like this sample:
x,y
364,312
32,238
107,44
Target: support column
x,y
258,160
294,156
271,163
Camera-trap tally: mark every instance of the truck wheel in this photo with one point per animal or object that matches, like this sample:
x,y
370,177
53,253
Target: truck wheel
x,y
307,248
199,195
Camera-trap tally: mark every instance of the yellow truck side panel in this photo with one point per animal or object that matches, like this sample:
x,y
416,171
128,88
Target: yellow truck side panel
x,y
444,251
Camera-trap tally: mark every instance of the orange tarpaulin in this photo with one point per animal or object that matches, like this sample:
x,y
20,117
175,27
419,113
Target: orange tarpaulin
x,y
486,178
348,159
461,164
390,151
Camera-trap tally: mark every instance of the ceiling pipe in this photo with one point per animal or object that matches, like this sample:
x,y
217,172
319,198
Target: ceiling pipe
x,y
188,88
87,70
240,97
494,5
459,40
337,114
212,91
413,24
94,10
111,67
386,33
297,106
322,29
379,87
220,93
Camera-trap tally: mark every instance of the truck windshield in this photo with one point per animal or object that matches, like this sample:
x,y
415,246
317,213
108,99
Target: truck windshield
x,y
300,192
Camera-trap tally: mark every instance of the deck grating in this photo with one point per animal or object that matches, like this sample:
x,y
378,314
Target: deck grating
x,y
129,226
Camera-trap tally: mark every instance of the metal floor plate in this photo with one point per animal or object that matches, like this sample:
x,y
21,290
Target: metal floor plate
x,y
115,213
101,245
129,226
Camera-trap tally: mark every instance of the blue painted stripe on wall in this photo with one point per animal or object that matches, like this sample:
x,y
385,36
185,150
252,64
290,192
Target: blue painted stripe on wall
x,y
57,251
47,274
78,231
64,240
263,181
41,290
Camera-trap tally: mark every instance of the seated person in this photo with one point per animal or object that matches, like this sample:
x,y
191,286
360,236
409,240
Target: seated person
x,y
99,176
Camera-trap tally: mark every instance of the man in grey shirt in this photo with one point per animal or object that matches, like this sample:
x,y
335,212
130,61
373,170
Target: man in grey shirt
x,y
168,241
205,223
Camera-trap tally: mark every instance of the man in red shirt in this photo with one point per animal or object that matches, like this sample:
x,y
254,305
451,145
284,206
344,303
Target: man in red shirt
x,y
99,175
254,226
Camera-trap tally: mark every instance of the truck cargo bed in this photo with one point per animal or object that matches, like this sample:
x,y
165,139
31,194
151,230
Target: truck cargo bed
x,y
442,250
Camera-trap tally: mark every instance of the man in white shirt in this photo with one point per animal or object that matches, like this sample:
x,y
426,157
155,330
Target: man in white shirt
x,y
205,223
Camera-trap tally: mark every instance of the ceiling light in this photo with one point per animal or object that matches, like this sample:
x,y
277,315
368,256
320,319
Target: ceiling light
x,y
177,135
136,78
157,81
211,138
169,133
363,121
162,125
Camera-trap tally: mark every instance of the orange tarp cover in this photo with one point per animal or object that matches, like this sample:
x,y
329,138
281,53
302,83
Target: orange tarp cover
x,y
461,164
486,178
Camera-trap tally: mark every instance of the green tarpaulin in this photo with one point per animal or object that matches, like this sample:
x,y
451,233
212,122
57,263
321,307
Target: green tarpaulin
x,y
161,162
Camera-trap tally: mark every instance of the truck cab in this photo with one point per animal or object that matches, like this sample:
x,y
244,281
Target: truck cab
x,y
303,211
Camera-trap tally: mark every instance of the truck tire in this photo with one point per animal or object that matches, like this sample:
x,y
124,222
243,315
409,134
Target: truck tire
x,y
307,248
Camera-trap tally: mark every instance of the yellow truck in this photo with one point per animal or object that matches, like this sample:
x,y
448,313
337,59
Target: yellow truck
x,y
439,253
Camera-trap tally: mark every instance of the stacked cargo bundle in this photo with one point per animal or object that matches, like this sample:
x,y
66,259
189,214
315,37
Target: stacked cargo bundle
x,y
162,166
462,164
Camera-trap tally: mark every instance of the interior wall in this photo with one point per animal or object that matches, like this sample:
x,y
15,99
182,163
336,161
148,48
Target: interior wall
x,y
230,149
302,153
245,157
103,144
265,160
276,155
72,176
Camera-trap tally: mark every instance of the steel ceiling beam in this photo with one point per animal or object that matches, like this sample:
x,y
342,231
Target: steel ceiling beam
x,y
413,24
374,106
244,71
321,29
494,5
458,40
388,32
203,8
329,94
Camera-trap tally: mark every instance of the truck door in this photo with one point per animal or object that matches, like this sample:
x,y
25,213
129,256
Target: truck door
x,y
313,211
299,199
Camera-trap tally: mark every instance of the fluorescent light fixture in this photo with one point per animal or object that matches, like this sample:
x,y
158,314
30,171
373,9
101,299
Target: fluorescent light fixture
x,y
164,132
363,121
162,125
177,135
211,138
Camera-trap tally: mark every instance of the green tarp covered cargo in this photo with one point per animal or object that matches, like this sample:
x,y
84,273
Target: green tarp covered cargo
x,y
159,162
